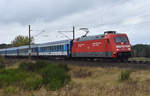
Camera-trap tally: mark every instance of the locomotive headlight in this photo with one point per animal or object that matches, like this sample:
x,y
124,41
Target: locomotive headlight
x,y
118,46
117,49
129,48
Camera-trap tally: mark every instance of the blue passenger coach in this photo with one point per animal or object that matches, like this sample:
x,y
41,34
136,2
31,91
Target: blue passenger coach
x,y
23,51
58,48
11,51
3,52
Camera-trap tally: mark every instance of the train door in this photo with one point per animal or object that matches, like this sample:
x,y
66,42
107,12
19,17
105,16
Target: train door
x,y
68,50
108,45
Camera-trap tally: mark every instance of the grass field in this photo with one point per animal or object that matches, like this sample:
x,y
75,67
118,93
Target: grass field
x,y
93,81
140,59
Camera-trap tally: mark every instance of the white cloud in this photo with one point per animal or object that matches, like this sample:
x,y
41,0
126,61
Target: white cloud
x,y
133,20
125,16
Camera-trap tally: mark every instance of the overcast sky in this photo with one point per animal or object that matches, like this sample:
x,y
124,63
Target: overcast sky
x,y
47,17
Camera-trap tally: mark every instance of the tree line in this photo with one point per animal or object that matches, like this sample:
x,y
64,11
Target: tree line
x,y
141,50
18,41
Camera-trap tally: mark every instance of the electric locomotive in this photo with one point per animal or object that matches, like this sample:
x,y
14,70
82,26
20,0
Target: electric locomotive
x,y
108,45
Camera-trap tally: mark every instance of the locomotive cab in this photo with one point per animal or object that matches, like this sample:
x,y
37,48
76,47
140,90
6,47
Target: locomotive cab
x,y
119,44
122,46
107,45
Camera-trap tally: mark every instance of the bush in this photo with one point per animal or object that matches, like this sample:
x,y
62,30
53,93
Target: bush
x,y
40,65
19,78
11,77
125,75
1,59
10,90
32,82
32,76
54,76
64,66
26,66
33,67
2,66
2,62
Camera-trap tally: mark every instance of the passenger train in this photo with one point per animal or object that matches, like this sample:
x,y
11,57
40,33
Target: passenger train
x,y
108,45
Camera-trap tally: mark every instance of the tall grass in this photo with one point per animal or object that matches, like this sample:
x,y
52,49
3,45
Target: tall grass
x,y
19,78
32,76
54,76
2,62
125,75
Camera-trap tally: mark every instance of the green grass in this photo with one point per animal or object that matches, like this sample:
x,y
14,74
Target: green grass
x,y
19,78
85,81
139,59
34,75
125,75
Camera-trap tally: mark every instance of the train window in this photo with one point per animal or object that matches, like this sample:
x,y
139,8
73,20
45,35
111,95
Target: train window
x,y
117,39
121,39
125,39
97,37
62,47
58,47
50,48
46,48
54,48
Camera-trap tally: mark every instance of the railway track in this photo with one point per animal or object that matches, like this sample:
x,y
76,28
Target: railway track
x,y
139,61
133,64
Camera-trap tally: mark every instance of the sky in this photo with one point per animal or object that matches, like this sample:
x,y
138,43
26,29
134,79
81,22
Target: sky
x,y
52,20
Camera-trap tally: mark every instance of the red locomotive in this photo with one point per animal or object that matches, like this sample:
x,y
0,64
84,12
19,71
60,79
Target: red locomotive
x,y
108,45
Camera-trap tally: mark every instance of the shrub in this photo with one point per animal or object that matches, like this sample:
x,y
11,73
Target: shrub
x,y
2,62
1,59
26,66
64,66
125,75
2,66
33,67
11,77
32,76
40,65
32,82
19,78
10,90
54,76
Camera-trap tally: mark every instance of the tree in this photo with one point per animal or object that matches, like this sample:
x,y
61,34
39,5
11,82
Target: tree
x,y
22,40
141,50
5,46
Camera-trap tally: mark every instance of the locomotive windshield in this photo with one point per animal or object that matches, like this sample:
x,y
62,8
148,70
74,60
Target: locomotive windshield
x,y
121,39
